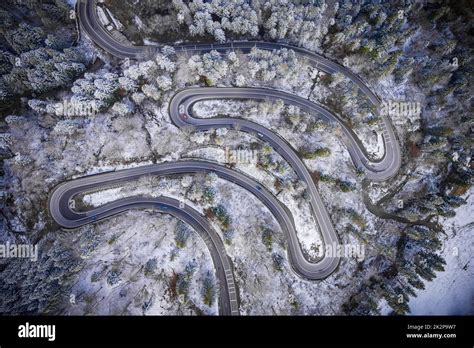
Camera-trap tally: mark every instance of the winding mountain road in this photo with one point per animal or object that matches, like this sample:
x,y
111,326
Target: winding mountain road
x,y
64,214
377,170
181,114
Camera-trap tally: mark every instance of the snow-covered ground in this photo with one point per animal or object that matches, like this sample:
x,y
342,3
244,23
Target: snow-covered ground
x,y
452,291
307,231
118,278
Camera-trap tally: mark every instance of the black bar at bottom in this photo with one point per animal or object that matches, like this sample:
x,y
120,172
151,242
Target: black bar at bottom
x,y
419,331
